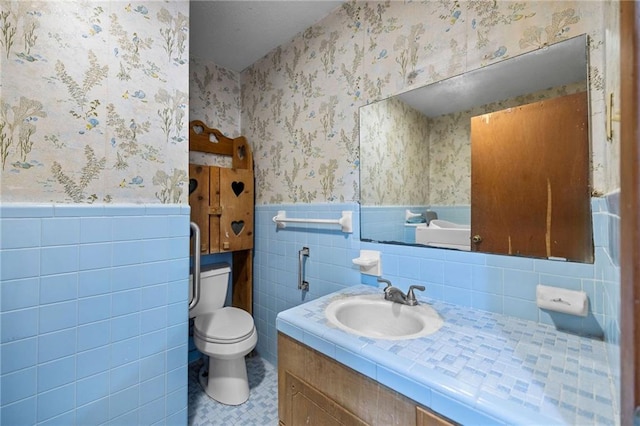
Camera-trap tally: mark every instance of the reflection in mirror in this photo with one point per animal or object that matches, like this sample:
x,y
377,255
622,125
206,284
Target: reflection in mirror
x,y
415,152
530,193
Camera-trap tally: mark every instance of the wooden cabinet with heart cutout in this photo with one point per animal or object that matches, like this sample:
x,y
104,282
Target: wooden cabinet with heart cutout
x,y
222,204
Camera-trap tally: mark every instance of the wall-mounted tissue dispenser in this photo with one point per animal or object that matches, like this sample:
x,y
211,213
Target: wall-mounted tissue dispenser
x,y
562,300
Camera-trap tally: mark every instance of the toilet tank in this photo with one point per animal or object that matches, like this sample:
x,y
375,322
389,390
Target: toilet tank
x,y
214,281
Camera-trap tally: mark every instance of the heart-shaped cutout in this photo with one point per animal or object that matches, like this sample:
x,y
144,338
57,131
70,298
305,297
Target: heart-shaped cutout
x,y
237,187
193,184
237,226
198,129
241,152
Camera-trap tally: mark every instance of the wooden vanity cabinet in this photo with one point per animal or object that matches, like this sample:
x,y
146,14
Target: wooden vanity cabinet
x,y
314,389
222,205
426,417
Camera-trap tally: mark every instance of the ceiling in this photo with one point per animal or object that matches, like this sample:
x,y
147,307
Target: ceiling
x,y
236,33
554,66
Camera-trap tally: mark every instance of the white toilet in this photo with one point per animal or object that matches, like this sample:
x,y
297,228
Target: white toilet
x,y
225,334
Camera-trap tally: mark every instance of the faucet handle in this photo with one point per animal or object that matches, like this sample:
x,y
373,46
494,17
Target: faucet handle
x,y
387,282
411,297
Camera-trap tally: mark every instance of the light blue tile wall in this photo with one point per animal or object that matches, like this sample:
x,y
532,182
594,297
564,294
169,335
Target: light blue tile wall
x,y
458,214
502,284
388,223
93,313
327,269
607,223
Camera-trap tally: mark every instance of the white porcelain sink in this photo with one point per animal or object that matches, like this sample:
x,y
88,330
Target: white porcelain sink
x,y
372,316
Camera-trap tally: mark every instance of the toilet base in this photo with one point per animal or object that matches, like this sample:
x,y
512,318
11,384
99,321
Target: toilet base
x,y
226,381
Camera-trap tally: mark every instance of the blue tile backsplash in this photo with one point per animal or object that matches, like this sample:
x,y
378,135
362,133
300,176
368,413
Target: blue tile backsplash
x,y
498,284
93,311
93,316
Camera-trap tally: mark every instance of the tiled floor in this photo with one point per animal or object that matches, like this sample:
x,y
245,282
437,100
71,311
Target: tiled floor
x,y
260,410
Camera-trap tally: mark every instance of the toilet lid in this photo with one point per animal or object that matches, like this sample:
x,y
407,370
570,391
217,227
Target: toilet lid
x,y
225,325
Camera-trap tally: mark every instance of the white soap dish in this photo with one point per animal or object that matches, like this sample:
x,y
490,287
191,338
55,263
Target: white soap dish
x,y
369,262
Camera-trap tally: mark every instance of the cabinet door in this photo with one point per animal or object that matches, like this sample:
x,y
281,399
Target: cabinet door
x,y
530,191
214,209
236,203
425,417
199,202
308,406
315,389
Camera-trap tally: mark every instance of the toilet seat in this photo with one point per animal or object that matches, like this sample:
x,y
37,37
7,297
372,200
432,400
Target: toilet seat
x,y
225,325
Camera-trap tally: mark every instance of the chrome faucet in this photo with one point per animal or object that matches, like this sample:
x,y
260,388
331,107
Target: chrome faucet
x,y
396,295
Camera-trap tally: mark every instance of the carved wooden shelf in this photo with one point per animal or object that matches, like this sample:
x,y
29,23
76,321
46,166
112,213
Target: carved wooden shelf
x,y
222,205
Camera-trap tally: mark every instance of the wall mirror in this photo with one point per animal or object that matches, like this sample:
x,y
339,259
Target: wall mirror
x,y
417,182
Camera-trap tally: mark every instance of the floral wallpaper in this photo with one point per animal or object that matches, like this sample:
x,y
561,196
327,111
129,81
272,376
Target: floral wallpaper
x,y
394,151
94,93
611,85
94,101
215,100
408,158
300,103
450,146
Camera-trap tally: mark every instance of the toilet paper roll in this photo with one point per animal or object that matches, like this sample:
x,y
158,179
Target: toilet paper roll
x,y
562,300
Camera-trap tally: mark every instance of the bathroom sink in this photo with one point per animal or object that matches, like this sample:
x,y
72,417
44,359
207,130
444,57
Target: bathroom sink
x,y
372,316
442,233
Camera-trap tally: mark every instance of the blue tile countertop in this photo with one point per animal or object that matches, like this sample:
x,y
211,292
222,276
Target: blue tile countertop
x,y
479,368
